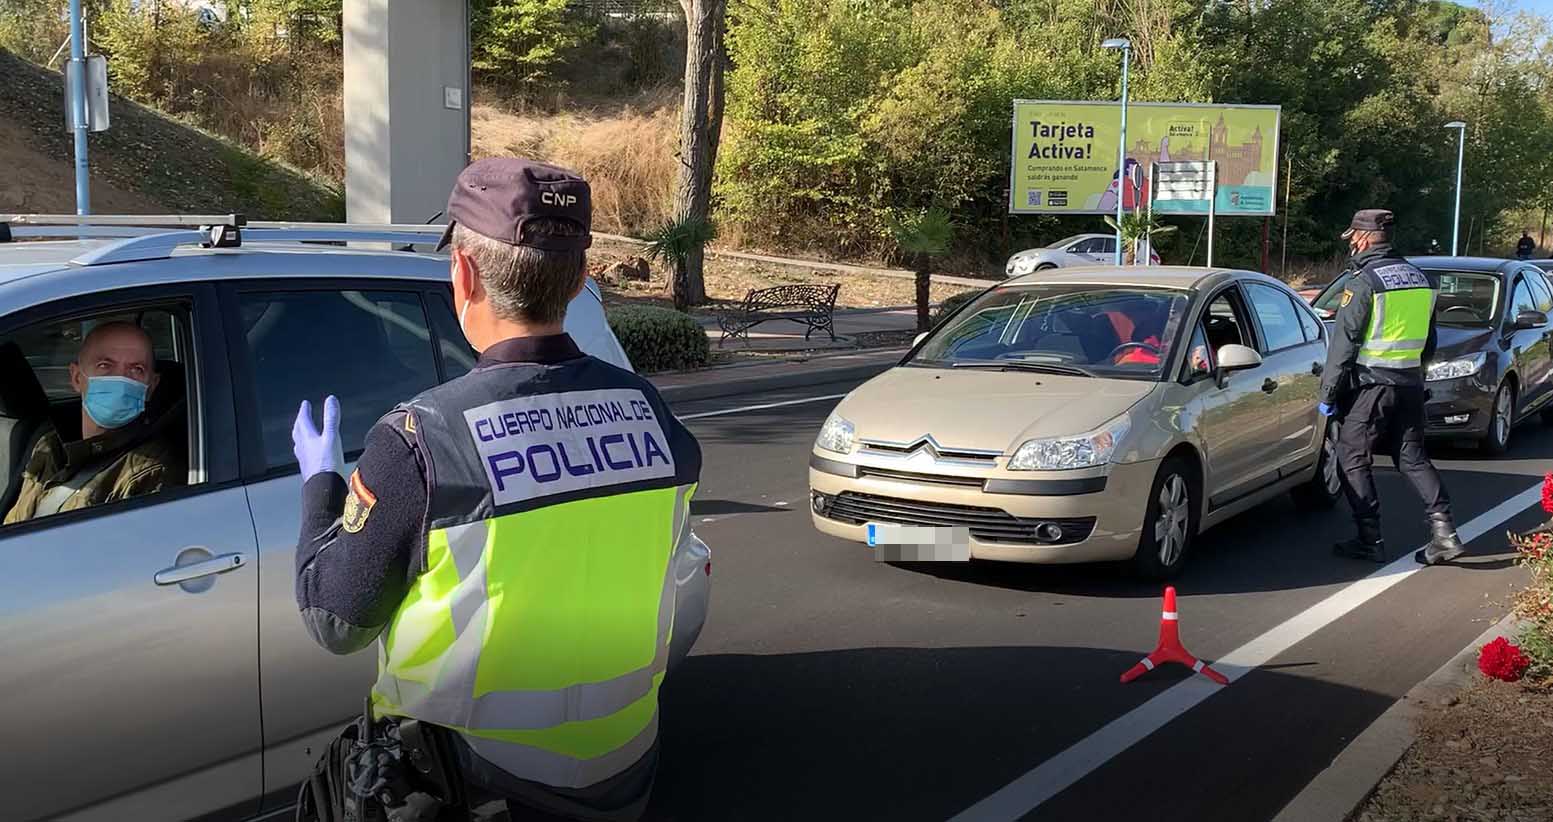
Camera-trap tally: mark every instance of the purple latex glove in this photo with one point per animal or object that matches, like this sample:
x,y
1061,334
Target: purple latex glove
x,y
1324,409
318,451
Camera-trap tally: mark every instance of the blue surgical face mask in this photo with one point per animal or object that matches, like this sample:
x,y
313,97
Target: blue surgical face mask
x,y
114,402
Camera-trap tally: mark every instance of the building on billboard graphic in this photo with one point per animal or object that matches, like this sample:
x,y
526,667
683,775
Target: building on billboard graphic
x,y
1064,155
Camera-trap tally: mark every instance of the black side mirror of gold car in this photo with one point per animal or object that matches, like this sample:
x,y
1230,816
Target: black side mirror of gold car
x,y
1530,319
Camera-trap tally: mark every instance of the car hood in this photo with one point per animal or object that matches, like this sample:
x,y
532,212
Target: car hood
x,y
984,410
1454,341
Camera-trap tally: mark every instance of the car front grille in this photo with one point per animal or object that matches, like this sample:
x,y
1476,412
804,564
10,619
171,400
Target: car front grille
x,y
985,524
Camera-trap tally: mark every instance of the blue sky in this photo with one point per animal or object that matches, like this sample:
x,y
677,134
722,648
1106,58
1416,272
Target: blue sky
x,y
1544,7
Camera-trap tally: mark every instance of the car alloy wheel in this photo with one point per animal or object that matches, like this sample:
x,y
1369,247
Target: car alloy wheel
x,y
1502,421
1174,521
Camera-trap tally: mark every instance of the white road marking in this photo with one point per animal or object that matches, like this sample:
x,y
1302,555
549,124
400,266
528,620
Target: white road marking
x,y
743,408
1054,775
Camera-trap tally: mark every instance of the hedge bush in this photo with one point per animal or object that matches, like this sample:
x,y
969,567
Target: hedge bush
x,y
950,304
659,339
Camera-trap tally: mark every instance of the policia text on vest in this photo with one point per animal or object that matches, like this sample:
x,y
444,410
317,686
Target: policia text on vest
x,y
507,540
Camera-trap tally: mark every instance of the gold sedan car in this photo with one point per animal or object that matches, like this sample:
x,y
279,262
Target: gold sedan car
x,y
1085,415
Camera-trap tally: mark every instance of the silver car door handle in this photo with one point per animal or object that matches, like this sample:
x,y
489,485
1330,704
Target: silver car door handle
x,y
194,570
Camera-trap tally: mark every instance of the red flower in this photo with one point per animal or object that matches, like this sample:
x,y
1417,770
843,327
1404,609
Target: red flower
x,y
1502,659
1547,493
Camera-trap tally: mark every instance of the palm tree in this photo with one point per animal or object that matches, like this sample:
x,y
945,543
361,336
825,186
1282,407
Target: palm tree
x,y
678,243
921,237
1135,226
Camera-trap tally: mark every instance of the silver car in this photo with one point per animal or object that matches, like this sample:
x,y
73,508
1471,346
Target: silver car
x,y
151,656
1078,250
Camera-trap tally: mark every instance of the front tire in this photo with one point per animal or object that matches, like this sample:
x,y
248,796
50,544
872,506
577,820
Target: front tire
x,y
1326,488
1501,422
1169,522
1045,266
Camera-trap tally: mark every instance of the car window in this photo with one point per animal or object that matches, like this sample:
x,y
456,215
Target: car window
x,y
1108,245
1111,331
457,357
1224,323
1331,299
372,349
1280,325
141,433
1539,288
1464,297
1199,355
1521,299
1308,323
1089,246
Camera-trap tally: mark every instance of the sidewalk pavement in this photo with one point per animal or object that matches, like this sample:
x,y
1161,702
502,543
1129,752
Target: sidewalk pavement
x,y
748,378
787,335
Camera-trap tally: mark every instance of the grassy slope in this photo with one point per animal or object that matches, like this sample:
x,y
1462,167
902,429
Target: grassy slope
x,y
144,152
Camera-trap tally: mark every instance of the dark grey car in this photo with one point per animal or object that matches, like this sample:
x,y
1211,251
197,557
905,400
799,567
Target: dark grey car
x,y
1493,365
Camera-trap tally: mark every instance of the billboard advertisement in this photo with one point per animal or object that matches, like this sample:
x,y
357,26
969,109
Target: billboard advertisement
x,y
1064,159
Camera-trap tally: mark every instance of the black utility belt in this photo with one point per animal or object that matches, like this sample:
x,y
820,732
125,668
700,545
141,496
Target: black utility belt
x,y
385,770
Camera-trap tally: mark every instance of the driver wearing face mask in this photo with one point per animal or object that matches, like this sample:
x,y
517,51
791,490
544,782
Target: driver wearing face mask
x,y
117,457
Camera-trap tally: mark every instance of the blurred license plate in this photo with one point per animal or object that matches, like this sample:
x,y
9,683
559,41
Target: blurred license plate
x,y
917,543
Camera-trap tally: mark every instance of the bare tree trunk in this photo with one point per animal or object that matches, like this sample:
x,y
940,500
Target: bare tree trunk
x,y
697,145
923,269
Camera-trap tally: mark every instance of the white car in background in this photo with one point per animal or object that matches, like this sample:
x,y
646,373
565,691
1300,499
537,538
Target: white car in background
x,y
1080,249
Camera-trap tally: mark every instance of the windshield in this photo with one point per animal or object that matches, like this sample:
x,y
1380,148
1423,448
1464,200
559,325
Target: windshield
x,y
1099,330
1065,240
1465,297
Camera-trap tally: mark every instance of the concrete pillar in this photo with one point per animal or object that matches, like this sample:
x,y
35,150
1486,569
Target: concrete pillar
x,y
406,107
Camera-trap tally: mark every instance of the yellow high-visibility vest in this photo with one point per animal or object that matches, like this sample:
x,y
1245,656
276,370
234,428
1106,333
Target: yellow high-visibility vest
x,y
1399,319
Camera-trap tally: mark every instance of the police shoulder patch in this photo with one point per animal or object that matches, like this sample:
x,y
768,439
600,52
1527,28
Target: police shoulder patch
x,y
1347,297
358,505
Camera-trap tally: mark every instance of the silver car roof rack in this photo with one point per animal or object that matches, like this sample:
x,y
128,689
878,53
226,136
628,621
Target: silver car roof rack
x,y
142,241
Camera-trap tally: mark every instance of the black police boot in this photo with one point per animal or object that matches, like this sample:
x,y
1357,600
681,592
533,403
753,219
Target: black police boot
x,y
1366,545
1444,545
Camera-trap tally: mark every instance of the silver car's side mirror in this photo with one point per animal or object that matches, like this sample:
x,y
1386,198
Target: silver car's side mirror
x,y
917,340
1234,357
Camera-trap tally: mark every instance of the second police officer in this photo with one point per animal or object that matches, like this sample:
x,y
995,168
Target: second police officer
x,y
1373,384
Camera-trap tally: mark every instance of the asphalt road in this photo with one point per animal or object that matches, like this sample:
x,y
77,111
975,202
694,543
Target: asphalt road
x,y
829,686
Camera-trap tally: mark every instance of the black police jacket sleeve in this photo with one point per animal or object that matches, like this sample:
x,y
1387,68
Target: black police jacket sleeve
x,y
1352,322
350,583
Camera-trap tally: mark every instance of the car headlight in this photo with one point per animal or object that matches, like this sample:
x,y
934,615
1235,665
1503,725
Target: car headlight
x,y
1455,369
1083,451
1021,265
836,435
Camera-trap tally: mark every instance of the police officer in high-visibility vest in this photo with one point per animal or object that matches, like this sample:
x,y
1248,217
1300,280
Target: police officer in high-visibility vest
x,y
506,537
1373,384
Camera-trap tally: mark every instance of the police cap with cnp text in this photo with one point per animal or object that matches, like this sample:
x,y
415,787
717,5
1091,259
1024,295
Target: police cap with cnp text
x,y
1370,219
497,196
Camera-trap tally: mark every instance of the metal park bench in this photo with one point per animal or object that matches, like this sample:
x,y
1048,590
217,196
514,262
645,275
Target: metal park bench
x,y
809,305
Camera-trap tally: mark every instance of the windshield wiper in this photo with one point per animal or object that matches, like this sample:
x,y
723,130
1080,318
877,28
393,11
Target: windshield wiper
x,y
1025,365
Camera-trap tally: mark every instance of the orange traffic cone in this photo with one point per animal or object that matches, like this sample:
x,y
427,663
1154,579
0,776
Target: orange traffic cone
x,y
1170,648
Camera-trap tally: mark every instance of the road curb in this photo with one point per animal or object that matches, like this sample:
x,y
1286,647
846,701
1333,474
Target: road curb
x,y
799,374
1337,792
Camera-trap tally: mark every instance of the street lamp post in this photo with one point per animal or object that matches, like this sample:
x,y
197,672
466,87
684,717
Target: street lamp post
x,y
1121,144
1461,153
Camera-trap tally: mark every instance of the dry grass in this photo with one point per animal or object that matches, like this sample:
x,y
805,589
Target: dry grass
x,y
626,152
728,280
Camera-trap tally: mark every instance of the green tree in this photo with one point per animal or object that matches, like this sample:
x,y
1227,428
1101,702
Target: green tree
x,y
519,42
921,237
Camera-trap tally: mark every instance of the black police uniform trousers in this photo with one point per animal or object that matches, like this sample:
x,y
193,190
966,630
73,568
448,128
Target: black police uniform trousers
x,y
1388,418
